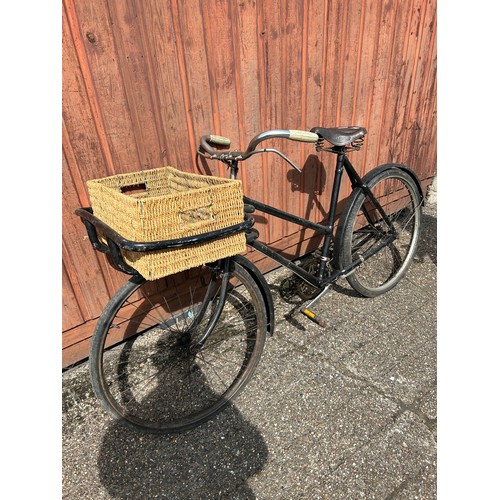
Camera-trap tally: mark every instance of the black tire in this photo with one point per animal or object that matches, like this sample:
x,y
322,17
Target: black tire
x,y
154,380
397,192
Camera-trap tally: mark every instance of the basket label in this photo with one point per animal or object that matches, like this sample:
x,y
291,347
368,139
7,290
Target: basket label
x,y
195,216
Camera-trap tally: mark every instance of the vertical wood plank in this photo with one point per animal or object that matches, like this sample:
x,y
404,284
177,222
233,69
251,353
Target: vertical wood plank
x,y
397,93
84,270
271,68
71,312
71,28
80,124
314,55
98,49
350,59
335,17
219,50
364,92
245,37
132,62
190,43
291,102
85,157
159,41
386,23
420,96
262,48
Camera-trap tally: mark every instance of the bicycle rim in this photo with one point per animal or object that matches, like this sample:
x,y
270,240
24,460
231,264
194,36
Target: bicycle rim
x,y
154,380
365,229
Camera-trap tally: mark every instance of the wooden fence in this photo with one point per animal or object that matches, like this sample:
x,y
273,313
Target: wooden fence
x,y
142,81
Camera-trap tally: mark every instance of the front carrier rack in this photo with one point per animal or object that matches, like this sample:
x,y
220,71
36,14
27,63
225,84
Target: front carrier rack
x,y
115,242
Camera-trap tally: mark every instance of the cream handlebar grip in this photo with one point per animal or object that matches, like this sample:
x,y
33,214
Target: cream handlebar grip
x,y
303,136
218,139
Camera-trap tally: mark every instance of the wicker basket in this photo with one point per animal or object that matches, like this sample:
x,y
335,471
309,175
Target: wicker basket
x,y
163,204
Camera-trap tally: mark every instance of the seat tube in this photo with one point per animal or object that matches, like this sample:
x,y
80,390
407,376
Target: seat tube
x,y
331,215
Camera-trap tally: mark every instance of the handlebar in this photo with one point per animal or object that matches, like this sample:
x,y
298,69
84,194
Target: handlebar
x,y
293,135
214,139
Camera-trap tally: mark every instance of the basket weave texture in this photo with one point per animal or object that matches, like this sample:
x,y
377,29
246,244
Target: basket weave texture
x,y
163,204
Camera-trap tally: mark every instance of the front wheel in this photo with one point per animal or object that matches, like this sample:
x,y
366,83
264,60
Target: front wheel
x,y
363,229
156,377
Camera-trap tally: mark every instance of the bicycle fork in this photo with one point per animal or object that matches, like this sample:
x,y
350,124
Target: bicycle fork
x,y
216,315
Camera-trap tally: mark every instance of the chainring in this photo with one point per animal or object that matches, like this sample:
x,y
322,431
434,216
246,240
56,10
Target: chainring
x,y
303,289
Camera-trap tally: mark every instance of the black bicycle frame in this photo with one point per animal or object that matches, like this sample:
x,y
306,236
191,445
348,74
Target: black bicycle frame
x,y
115,242
319,280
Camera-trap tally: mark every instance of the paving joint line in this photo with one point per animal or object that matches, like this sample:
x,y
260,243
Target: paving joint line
x,y
430,423
405,483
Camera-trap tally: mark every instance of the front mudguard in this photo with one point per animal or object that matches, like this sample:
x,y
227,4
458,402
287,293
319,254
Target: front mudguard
x,y
263,287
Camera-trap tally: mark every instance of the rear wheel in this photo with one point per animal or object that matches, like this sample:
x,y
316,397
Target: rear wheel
x,y
363,229
155,378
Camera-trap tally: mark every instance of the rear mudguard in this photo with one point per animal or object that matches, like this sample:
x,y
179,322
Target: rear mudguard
x,y
387,166
263,287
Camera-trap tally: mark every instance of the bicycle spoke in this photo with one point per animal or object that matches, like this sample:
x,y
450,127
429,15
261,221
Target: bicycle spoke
x,y
397,194
155,379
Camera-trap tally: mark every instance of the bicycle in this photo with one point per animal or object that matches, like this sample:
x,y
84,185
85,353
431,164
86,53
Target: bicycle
x,y
189,350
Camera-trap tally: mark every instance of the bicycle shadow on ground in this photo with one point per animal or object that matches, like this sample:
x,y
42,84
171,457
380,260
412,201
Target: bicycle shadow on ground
x,y
214,460
427,245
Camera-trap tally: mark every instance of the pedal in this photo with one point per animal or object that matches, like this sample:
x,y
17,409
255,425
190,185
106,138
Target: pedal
x,y
307,309
313,316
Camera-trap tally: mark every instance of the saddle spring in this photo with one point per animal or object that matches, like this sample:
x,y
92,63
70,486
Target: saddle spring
x,y
353,146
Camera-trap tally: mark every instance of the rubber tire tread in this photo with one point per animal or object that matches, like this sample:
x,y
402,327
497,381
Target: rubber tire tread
x,y
350,212
99,338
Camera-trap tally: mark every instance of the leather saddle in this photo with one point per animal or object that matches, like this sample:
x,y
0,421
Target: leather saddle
x,y
340,136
